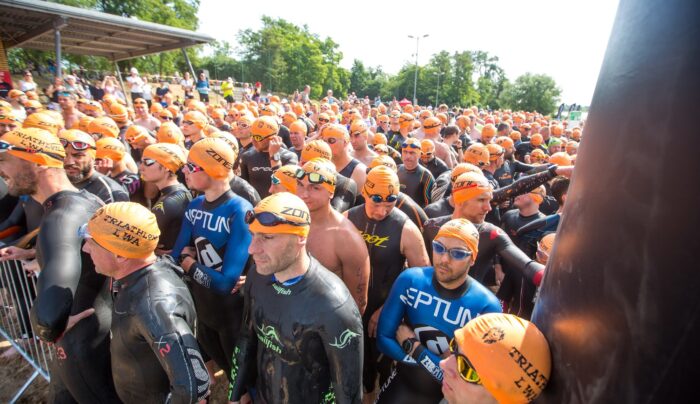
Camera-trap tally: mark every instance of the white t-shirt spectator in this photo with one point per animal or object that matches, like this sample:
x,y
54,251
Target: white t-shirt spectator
x,y
135,84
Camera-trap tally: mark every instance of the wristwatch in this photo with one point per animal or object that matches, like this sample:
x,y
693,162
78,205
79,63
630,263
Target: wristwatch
x,y
275,157
407,345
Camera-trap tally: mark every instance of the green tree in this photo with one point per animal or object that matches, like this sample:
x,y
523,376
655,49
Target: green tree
x,y
531,92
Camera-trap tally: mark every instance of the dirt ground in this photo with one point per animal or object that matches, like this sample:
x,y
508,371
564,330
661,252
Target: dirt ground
x,y
13,374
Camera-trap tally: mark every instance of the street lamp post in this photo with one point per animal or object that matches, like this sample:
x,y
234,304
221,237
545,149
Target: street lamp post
x,y
415,77
437,91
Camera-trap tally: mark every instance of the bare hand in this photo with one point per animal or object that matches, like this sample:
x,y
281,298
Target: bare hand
x,y
74,319
404,332
244,400
31,267
16,253
275,145
498,268
372,326
239,284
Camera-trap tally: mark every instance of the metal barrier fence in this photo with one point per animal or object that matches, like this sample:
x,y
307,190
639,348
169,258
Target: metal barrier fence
x,y
18,293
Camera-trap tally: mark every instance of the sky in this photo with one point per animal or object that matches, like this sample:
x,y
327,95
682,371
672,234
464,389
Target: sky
x,y
565,39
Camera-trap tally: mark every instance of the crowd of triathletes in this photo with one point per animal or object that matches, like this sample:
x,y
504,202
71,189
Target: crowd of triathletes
x,y
382,185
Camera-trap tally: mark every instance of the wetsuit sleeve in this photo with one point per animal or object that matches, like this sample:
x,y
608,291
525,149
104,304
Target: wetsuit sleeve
x,y
177,351
234,260
244,169
184,238
343,342
515,257
60,246
391,317
428,189
520,167
523,185
243,360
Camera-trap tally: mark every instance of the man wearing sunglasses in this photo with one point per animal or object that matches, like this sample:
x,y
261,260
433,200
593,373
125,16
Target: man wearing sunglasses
x,y
193,125
241,131
428,159
266,156
79,165
433,128
159,166
69,289
333,240
416,181
424,309
392,240
143,116
345,193
337,137
212,248
359,132
405,128
509,363
301,341
472,195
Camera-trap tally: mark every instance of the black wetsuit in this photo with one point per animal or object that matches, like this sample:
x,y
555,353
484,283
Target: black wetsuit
x,y
241,149
155,357
104,187
256,170
494,216
442,188
492,241
397,139
508,172
242,188
417,183
345,193
349,168
436,166
516,291
170,210
383,239
68,285
414,212
301,340
525,148
132,183
439,208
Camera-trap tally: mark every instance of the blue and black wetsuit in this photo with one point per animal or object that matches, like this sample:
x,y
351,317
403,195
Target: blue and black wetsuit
x,y
218,232
434,313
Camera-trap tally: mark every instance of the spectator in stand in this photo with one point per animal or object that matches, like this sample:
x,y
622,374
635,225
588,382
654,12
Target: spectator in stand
x,y
187,85
163,89
97,90
203,88
147,91
227,91
27,83
135,84
110,85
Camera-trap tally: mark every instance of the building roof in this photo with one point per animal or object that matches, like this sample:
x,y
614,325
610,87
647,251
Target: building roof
x,y
31,24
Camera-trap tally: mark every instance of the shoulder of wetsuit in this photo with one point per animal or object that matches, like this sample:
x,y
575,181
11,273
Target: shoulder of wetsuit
x,y
119,194
288,157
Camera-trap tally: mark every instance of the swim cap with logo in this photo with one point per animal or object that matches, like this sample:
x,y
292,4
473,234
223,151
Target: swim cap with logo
x,y
560,159
197,118
136,133
34,145
168,155
383,161
214,155
316,148
326,169
45,120
464,230
286,175
510,355
281,213
462,168
110,148
468,186
335,130
495,151
381,181
169,133
265,126
126,229
477,154
103,126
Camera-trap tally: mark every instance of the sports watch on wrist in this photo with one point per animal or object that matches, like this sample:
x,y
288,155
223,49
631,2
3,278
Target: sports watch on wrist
x,y
407,345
